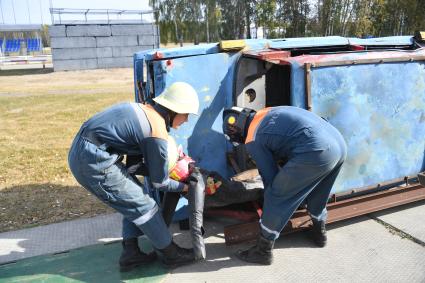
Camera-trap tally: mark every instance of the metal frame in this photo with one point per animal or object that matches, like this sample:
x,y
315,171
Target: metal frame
x,y
107,12
307,75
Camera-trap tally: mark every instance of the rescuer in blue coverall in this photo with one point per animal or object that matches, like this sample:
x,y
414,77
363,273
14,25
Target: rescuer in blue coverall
x,y
135,129
313,152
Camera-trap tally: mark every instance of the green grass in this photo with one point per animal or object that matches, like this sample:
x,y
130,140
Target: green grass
x,y
39,116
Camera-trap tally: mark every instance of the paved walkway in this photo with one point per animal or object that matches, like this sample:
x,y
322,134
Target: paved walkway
x,y
387,246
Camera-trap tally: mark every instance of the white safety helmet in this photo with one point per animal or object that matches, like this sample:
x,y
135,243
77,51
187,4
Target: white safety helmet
x,y
179,97
173,153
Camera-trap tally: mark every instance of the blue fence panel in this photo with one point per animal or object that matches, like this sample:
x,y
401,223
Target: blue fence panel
x,y
12,45
17,45
33,44
29,44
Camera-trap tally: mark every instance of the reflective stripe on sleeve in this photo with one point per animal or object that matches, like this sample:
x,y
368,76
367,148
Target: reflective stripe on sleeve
x,y
160,185
252,130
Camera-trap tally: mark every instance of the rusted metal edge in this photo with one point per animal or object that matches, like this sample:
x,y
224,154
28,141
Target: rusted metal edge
x,y
337,211
307,71
406,180
411,58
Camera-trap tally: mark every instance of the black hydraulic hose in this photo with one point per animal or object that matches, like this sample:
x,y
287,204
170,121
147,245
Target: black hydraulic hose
x,y
196,198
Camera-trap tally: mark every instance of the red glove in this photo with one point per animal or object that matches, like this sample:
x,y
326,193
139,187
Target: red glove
x,y
182,169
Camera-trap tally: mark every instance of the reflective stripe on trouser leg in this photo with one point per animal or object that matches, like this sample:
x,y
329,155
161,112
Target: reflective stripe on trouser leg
x,y
267,233
116,188
321,217
155,229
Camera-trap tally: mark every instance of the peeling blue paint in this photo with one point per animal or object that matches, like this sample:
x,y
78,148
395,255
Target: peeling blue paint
x,y
375,108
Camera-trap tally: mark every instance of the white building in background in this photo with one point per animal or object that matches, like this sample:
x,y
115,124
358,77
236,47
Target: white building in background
x,y
256,32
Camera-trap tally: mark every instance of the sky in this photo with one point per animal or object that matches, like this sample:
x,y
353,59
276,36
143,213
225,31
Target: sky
x,y
37,11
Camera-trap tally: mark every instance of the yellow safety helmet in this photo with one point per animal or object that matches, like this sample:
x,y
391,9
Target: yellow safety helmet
x,y
173,154
179,97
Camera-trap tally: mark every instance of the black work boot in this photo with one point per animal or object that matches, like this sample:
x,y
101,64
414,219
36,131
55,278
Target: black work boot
x,y
318,233
132,257
260,253
174,256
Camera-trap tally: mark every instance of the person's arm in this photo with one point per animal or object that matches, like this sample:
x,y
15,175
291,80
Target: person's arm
x,y
264,160
156,160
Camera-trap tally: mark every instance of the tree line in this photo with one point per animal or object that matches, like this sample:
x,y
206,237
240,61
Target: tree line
x,y
214,20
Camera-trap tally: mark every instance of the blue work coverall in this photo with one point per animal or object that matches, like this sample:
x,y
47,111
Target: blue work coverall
x,y
313,152
94,159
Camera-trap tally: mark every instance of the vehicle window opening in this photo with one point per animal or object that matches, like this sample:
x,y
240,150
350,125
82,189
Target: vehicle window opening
x,y
261,84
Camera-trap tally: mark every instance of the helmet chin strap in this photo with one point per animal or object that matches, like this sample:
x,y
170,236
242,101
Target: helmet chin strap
x,y
171,116
167,114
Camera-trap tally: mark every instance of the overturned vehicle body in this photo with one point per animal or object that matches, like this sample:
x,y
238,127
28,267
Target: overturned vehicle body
x,y
371,90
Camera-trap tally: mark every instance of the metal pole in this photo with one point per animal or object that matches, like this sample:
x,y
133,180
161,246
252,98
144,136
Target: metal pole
x,y
51,12
41,12
307,77
13,7
29,14
2,16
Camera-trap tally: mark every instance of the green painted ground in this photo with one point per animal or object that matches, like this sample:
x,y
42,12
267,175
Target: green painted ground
x,y
97,263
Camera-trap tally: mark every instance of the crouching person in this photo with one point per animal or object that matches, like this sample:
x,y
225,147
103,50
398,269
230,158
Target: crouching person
x,y
314,152
135,129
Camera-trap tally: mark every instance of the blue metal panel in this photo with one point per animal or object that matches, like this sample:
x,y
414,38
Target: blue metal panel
x,y
251,44
193,50
308,42
380,110
297,85
390,40
212,76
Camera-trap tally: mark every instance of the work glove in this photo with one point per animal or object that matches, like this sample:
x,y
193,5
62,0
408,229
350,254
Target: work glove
x,y
182,170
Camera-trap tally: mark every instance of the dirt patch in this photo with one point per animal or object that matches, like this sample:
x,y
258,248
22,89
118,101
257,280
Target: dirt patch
x,y
37,204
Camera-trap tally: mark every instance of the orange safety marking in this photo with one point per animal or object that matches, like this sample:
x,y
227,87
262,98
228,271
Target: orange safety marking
x,y
159,130
259,116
